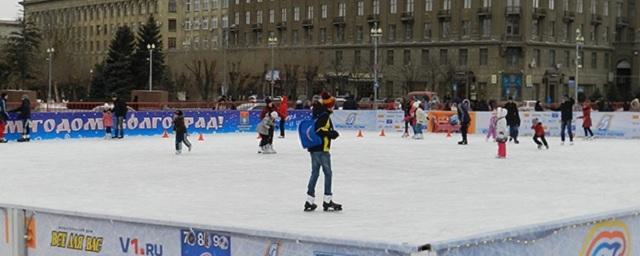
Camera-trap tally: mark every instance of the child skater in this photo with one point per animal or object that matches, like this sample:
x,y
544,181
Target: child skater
x,y
264,129
107,122
502,132
539,134
491,132
181,132
586,120
421,120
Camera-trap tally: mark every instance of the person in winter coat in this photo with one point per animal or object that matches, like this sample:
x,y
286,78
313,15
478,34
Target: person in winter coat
x,y
320,156
491,132
538,135
465,120
120,110
513,120
501,131
350,104
264,128
24,115
406,106
586,120
635,105
283,113
180,129
566,116
538,107
107,122
421,120
4,116
266,111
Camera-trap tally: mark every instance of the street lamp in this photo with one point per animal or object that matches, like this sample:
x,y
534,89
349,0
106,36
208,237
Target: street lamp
x,y
151,47
50,51
273,42
376,34
579,44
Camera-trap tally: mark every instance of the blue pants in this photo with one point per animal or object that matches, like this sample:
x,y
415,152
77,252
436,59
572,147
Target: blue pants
x,y
181,138
118,129
417,129
566,125
513,131
320,159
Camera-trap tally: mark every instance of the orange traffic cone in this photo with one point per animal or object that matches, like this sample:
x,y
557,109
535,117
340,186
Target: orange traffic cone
x,y
382,133
360,135
201,137
165,134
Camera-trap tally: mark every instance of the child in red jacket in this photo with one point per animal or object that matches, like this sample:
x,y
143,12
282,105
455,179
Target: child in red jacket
x,y
539,134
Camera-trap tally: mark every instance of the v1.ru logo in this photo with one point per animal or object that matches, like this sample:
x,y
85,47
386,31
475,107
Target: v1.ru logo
x,y
129,245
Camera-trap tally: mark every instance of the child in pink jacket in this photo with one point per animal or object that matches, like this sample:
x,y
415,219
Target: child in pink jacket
x,y
491,132
107,122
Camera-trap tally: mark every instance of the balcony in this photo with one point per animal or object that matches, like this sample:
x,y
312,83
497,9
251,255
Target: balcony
x,y
444,14
406,17
233,28
484,12
569,16
339,21
308,23
256,27
373,18
622,22
539,13
596,19
513,10
512,38
281,25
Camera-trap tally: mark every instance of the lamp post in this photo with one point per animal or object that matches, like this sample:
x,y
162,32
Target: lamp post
x,y
273,42
50,51
376,34
579,43
151,47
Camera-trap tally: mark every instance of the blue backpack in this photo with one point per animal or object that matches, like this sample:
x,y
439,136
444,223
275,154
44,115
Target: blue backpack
x,y
308,136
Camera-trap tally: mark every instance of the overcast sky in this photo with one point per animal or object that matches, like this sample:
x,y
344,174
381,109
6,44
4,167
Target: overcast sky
x,y
9,9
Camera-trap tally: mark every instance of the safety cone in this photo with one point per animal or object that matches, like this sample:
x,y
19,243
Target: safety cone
x,y
165,134
201,137
382,133
360,135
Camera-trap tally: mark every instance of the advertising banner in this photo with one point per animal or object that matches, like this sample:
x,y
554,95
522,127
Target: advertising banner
x,y
354,119
5,244
441,121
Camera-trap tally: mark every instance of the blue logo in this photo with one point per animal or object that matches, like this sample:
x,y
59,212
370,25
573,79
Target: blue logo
x,y
202,243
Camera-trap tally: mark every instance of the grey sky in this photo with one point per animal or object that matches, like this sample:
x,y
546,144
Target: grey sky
x,y
9,9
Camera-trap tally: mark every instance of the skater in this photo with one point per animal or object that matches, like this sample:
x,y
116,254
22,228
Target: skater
x,y
421,121
491,132
411,119
107,122
408,104
120,110
320,156
264,127
465,120
566,115
267,112
501,131
513,120
4,116
24,115
180,129
283,113
538,136
586,120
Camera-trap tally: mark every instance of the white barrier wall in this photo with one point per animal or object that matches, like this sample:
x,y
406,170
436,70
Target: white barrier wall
x,y
5,245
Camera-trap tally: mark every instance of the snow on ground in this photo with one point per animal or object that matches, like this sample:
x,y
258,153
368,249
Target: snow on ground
x,y
393,190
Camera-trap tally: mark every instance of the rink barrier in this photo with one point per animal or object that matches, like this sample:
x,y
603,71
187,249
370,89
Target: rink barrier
x,y
65,125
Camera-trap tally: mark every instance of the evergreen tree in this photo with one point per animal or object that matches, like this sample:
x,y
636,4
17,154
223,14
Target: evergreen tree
x,y
99,88
22,50
149,34
118,73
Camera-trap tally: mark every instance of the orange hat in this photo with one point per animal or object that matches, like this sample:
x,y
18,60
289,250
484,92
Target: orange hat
x,y
328,101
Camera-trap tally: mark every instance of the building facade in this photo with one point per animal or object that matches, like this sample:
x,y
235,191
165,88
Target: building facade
x,y
481,49
6,28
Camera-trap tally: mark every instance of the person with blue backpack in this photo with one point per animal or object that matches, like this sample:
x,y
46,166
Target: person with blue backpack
x,y
316,136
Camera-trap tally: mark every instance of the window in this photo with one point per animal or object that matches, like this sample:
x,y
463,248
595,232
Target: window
x,y
376,7
428,5
513,56
272,16
196,5
294,35
425,57
247,18
390,60
205,23
214,23
410,6
393,6
444,57
579,6
594,8
486,3
406,57
536,3
446,5
466,27
552,4
296,13
359,34
187,7
206,5
283,15
486,27
357,56
567,58
513,26
605,8
323,35
594,60
172,43
463,56
484,56
225,3
536,57
619,9
173,8
342,9
552,58
565,5
467,4
310,12
606,60
444,29
408,31
552,28
360,8
427,31
392,33
215,4
236,18
323,10
340,34
225,21
338,58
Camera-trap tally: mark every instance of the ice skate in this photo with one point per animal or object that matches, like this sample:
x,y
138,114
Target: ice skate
x,y
178,152
3,140
261,150
405,135
331,206
24,139
463,142
539,147
547,147
189,147
280,137
309,207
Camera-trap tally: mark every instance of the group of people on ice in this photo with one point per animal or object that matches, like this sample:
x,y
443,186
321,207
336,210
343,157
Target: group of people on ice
x,y
24,115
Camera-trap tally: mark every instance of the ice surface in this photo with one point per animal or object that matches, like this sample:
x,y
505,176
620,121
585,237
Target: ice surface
x,y
394,190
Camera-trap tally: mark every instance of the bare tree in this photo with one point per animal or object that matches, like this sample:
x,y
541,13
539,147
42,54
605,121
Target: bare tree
x,y
203,72
310,73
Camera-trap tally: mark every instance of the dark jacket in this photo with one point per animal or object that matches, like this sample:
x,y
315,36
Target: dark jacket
x,y
324,128
120,108
566,109
538,107
178,124
350,104
513,117
463,113
24,109
4,116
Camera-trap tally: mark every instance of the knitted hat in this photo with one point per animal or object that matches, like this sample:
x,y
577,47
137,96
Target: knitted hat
x,y
328,101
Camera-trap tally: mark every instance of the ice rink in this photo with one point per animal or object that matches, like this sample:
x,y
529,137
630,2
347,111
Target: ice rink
x,y
394,190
